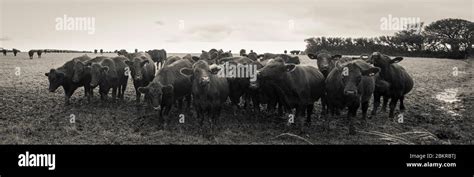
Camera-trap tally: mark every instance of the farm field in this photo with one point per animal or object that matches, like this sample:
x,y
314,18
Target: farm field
x,y
439,111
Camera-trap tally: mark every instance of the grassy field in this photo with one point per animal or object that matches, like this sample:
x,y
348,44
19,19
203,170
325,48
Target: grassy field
x,y
439,111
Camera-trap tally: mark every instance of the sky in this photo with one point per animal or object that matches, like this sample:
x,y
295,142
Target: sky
x,y
189,26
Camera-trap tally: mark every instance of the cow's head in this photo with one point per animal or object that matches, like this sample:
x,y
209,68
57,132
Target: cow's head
x,y
98,73
206,56
56,79
80,69
136,66
383,61
156,92
274,69
201,73
352,74
325,61
291,59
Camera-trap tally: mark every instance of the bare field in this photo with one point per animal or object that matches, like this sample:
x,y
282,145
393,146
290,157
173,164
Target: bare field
x,y
30,114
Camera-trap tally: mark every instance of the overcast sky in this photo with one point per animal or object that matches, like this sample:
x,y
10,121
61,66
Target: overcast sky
x,y
192,25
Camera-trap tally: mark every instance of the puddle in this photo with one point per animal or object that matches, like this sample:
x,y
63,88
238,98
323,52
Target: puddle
x,y
449,96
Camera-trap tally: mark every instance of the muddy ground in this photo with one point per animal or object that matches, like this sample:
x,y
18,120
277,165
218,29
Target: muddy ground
x,y
439,111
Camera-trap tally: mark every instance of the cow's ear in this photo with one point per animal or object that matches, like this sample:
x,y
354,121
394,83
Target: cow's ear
x,y
312,56
167,89
105,68
46,74
195,58
143,89
290,67
396,60
371,71
186,71
202,51
337,56
129,63
144,62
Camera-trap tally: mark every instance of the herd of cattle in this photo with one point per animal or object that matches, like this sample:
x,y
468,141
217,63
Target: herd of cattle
x,y
282,83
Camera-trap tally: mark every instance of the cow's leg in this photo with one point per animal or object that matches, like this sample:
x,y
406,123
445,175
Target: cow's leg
x,y
402,106
385,102
365,107
67,96
350,116
393,104
138,95
309,111
114,93
166,118
376,104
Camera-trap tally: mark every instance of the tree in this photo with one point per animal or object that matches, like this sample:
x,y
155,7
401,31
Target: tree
x,y
452,35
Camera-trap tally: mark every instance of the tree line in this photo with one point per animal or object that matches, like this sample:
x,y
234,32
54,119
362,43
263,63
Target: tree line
x,y
446,38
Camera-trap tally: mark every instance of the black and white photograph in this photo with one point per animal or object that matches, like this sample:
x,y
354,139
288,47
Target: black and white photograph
x,y
237,72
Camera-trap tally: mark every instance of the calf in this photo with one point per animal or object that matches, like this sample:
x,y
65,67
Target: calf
x,y
62,76
298,86
167,87
400,81
350,85
142,70
209,91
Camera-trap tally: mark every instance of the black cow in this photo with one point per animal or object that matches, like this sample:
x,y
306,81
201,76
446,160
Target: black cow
x,y
381,90
209,91
39,52
15,51
298,86
108,74
4,51
240,86
31,53
351,85
143,71
158,56
62,76
400,81
167,87
242,52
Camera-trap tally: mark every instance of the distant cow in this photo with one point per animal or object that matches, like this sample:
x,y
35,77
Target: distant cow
x,y
101,51
158,56
31,53
242,52
143,71
167,87
15,51
400,81
351,85
209,91
295,52
39,52
299,86
4,51
62,76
